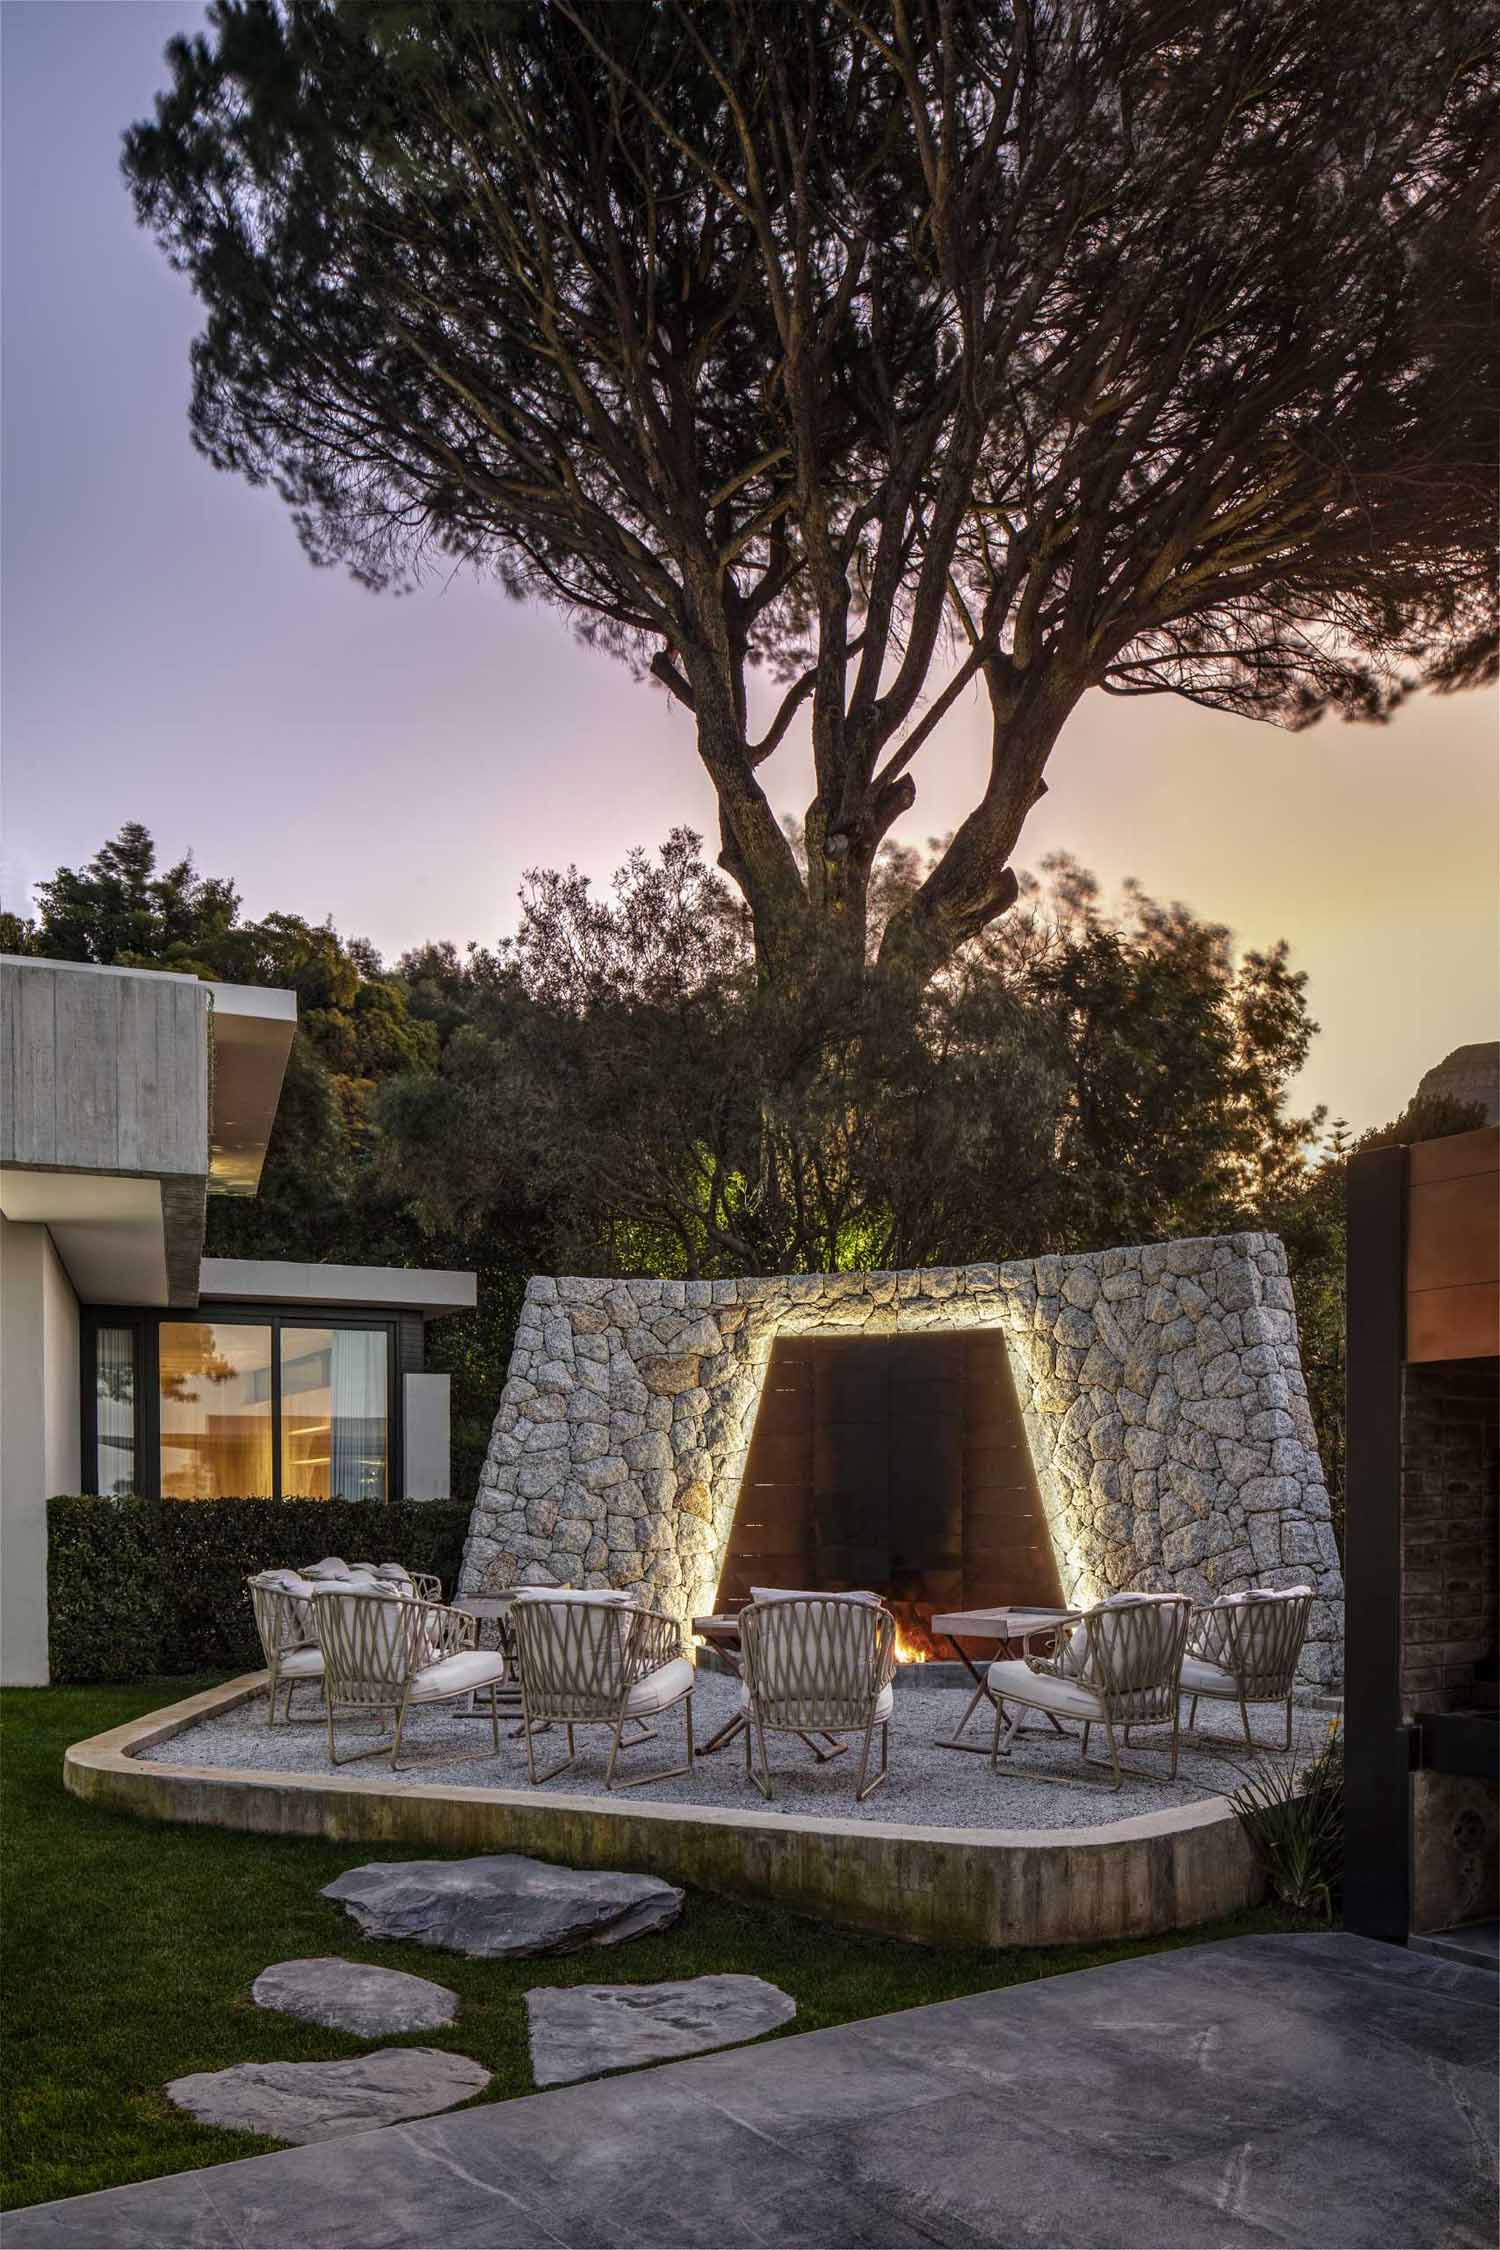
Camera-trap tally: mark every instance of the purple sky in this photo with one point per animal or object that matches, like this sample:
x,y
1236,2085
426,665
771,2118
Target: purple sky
x,y
170,657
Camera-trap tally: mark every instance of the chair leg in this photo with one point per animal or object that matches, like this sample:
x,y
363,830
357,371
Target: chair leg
x,y
1012,1727
663,1773
614,1746
275,1685
354,1756
552,1771
1114,1755
1193,1713
763,1780
494,1718
1288,1742
861,1789
1087,1728
396,1745
1176,1736
1245,1723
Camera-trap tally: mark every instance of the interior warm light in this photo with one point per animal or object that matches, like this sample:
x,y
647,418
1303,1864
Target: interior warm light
x,y
910,1652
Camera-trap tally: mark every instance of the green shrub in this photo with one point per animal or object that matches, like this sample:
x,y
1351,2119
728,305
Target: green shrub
x,y
1295,1823
136,1587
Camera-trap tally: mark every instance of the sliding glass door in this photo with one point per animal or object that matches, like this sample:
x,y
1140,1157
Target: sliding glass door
x,y
273,1405
333,1413
214,1402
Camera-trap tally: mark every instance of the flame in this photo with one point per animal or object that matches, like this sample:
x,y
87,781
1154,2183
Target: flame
x,y
910,1652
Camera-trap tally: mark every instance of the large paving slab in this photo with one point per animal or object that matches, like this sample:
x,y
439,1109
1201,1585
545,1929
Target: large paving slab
x,y
582,2030
325,2101
1321,2091
503,1906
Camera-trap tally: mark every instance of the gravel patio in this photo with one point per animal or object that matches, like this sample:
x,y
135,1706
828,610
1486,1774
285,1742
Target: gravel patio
x,y
929,1786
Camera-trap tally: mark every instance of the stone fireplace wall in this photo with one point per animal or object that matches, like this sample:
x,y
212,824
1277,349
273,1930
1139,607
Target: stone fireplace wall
x,y
1161,1389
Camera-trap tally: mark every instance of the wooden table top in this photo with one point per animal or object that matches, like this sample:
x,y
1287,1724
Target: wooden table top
x,y
1004,1624
720,1627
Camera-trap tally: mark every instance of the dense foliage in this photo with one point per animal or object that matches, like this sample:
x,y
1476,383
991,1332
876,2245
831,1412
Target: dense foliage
x,y
1081,1075
618,1090
137,1587
1145,348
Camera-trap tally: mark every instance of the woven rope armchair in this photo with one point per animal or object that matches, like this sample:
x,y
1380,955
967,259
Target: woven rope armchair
x,y
1118,1668
389,1652
818,1664
1244,1649
585,1661
288,1635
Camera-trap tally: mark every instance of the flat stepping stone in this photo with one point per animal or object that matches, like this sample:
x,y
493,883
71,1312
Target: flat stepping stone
x,y
587,2029
324,2101
354,1996
504,1906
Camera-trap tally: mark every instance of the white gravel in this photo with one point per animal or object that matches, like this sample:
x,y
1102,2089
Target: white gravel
x,y
928,1787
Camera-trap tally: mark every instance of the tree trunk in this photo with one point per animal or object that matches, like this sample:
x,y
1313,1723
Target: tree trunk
x,y
974,882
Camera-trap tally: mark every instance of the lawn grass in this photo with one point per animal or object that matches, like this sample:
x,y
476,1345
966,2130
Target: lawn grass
x,y
129,1949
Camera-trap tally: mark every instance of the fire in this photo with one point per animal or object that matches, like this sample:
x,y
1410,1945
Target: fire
x,y
909,1651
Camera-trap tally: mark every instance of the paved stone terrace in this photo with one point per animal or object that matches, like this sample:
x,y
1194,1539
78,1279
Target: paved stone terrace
x,y
1161,1388
928,1786
1322,2091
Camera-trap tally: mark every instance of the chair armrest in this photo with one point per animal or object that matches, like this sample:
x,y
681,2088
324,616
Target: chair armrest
x,y
653,1641
444,1631
1049,1665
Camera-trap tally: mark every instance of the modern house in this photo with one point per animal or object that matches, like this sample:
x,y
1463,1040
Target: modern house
x,y
129,1362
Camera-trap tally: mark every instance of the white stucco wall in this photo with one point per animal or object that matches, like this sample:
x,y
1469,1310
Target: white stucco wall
x,y
426,1413
39,1436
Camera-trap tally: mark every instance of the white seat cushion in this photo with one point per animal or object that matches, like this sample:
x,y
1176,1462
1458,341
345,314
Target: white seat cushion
x,y
1013,1680
456,1675
1076,1654
589,1597
660,1689
1199,1678
302,1664
288,1582
885,1703
806,1594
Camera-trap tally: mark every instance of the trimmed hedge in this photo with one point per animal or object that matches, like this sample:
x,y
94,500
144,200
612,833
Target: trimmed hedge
x,y
138,1587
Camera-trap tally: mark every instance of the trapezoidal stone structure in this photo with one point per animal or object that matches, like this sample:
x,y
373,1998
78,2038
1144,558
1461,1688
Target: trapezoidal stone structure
x,y
1160,1389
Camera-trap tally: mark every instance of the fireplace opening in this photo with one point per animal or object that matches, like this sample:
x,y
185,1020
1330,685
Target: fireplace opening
x,y
898,1464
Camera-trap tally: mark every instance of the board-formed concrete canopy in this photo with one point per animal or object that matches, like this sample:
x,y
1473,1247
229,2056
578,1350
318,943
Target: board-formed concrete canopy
x,y
1161,1390
131,1095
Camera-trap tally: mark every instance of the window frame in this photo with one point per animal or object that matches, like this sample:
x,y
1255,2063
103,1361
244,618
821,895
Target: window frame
x,y
145,1322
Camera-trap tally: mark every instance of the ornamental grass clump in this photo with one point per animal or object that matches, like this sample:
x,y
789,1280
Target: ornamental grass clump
x,y
1295,1823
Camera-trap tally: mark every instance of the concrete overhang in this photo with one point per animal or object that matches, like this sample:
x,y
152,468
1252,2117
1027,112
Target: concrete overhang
x,y
428,1290
128,1094
253,1027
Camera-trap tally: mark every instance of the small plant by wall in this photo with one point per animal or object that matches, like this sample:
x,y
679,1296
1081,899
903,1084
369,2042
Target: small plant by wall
x,y
137,1587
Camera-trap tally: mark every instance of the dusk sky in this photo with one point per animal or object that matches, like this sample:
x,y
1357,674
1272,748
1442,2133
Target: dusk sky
x,y
170,657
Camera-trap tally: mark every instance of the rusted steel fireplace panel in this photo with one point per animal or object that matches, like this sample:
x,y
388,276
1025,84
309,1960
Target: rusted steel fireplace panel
x,y
897,1463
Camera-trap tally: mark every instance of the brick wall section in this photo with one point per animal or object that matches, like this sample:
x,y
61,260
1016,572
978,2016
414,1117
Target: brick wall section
x,y
1450,1463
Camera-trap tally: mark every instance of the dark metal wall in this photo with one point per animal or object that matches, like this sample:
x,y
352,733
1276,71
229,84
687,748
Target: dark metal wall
x,y
895,1463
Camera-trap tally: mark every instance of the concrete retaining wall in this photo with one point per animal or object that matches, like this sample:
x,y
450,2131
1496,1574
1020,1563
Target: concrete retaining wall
x,y
970,1886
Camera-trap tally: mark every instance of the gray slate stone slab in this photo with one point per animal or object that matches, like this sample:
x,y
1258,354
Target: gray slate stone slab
x,y
322,2101
354,1996
1312,2092
503,1906
586,2029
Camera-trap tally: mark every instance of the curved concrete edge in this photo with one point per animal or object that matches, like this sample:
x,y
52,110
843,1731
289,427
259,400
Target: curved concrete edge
x,y
1129,1878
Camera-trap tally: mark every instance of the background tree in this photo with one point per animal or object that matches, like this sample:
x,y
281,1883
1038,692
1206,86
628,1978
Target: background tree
x,y
1144,348
1081,1076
